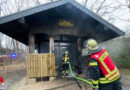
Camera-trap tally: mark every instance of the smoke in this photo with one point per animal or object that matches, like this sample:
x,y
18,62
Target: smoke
x,y
119,49
114,46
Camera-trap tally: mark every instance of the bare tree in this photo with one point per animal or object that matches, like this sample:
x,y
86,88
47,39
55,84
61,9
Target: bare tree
x,y
0,41
37,2
128,3
102,8
125,4
19,4
2,5
85,2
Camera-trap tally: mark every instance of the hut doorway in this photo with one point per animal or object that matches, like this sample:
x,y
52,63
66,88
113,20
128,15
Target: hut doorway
x,y
69,43
61,44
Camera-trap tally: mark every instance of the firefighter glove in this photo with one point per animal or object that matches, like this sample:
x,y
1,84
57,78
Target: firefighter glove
x,y
95,84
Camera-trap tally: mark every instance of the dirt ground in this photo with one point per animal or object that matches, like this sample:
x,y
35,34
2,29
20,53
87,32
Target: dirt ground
x,y
60,85
10,72
17,74
47,85
125,81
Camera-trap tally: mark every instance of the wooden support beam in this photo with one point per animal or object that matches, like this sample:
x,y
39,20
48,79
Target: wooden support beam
x,y
39,47
79,44
51,44
51,47
79,54
31,43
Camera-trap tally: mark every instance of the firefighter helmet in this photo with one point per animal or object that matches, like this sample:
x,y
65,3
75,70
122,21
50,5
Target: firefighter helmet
x,y
92,44
66,52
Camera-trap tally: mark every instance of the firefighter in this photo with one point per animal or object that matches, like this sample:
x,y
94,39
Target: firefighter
x,y
103,71
65,65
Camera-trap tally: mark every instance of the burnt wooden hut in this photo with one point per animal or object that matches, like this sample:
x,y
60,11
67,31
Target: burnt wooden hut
x,y
56,27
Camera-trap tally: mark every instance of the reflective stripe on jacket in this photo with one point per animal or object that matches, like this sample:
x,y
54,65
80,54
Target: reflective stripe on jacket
x,y
65,57
105,80
106,65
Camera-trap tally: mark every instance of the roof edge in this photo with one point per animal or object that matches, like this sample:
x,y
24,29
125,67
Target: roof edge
x,y
37,9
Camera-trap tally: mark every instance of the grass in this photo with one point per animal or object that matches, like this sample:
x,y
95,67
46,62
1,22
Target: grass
x,y
1,64
4,63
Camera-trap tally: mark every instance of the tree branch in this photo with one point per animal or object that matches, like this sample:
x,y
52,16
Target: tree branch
x,y
99,8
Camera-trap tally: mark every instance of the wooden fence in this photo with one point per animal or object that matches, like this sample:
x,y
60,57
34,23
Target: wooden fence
x,y
40,65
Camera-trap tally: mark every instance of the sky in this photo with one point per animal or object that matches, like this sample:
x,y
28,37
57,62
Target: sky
x,y
123,13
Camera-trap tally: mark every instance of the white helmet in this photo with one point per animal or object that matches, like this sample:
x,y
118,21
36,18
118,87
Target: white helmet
x,y
66,52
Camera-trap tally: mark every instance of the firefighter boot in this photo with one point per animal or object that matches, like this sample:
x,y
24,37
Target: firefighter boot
x,y
66,72
63,72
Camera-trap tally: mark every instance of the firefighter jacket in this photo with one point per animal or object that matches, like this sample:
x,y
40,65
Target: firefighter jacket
x,y
102,69
65,57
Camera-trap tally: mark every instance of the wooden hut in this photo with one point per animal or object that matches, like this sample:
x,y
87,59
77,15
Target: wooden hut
x,y
53,28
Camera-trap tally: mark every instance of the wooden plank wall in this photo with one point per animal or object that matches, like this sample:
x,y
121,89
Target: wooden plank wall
x,y
40,65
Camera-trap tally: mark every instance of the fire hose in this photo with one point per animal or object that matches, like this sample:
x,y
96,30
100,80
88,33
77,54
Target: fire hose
x,y
84,80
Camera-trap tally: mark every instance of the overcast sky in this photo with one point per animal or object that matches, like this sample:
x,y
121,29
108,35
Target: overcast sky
x,y
123,13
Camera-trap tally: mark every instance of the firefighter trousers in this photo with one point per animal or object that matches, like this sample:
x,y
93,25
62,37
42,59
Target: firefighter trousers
x,y
65,67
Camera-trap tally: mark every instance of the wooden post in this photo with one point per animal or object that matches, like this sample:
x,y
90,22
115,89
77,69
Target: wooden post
x,y
79,54
51,47
31,43
51,44
79,44
39,46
